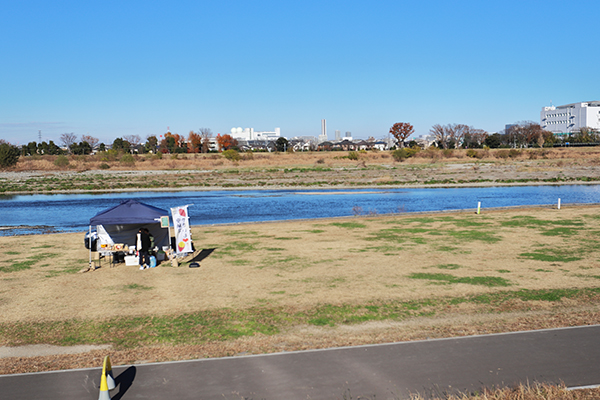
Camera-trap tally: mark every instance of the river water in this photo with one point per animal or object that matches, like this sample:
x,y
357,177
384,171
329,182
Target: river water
x,y
72,212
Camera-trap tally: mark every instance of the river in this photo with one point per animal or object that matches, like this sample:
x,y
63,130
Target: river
x,y
26,214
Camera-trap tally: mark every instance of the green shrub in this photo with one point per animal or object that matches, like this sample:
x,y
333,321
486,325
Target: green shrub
x,y
403,154
104,166
399,155
232,155
127,159
61,161
9,155
475,154
353,155
158,155
110,155
411,151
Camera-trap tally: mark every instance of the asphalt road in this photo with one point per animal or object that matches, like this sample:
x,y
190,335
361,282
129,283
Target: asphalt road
x,y
389,371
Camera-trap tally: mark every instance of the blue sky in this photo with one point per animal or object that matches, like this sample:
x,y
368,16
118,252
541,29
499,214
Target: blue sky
x,y
115,68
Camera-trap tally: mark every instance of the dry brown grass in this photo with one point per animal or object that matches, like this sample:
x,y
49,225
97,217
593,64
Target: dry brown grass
x,y
311,169
305,263
534,391
567,156
300,265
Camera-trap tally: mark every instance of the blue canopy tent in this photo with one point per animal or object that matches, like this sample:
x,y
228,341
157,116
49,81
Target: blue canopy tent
x,y
123,221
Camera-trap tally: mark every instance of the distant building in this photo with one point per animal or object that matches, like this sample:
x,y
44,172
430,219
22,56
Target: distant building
x,y
251,134
323,135
570,117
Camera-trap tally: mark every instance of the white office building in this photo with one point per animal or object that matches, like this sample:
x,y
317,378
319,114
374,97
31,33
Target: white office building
x,y
251,134
571,117
323,135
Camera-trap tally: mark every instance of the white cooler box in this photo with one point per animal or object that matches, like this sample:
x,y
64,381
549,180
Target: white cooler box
x,y
132,260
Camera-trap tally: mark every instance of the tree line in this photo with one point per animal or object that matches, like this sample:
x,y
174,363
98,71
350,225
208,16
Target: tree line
x,y
522,134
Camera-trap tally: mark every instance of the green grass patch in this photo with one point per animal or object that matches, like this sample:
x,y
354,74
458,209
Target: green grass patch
x,y
491,281
474,235
14,266
533,222
349,225
241,233
228,324
237,247
448,266
447,248
561,231
551,255
239,262
136,286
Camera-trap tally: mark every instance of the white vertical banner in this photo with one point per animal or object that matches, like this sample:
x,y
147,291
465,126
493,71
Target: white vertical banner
x,y
183,235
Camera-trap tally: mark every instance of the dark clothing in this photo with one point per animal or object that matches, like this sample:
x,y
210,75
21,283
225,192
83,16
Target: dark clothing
x,y
144,243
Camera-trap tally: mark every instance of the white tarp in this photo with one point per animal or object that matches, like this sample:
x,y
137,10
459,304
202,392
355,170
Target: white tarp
x,y
105,242
183,235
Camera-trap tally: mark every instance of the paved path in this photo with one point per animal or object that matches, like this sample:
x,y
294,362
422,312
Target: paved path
x,y
389,371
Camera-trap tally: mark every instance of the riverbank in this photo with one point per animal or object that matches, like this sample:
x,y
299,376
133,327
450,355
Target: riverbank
x,y
306,284
305,171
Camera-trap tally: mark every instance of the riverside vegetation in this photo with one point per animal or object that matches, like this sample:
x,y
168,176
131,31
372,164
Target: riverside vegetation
x,y
112,171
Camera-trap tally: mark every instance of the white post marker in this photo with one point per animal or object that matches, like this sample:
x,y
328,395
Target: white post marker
x,y
478,207
559,203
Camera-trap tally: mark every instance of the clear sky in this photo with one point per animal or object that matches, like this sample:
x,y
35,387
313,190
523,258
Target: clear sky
x,y
114,68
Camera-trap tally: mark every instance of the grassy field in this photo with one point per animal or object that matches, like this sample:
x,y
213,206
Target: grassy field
x,y
307,284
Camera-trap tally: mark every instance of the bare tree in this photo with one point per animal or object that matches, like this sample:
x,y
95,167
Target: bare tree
x,y
206,135
401,131
92,141
474,138
458,133
134,140
67,139
440,135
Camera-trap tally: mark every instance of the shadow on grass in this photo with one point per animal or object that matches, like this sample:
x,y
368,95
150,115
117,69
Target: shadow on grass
x,y
202,255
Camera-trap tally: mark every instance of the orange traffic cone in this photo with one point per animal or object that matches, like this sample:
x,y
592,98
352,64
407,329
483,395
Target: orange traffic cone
x,y
107,381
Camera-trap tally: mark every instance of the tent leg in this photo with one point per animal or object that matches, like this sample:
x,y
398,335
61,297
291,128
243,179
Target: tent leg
x,y
90,246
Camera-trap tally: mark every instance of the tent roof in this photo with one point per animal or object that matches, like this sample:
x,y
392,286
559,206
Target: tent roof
x,y
129,212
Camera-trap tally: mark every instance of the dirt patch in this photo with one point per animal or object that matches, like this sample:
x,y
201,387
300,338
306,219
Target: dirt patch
x,y
44,350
